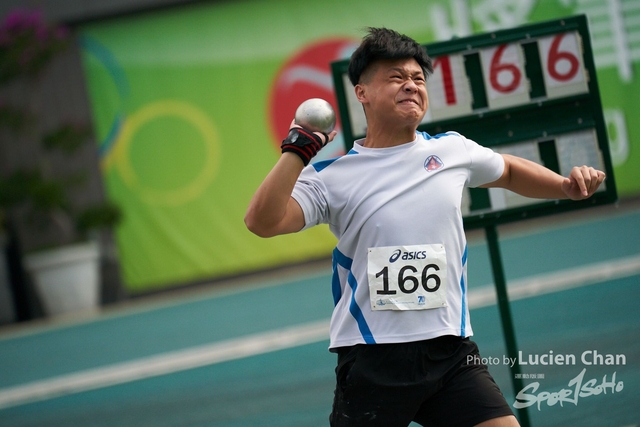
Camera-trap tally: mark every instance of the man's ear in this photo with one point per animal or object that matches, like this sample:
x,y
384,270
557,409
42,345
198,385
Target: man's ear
x,y
360,93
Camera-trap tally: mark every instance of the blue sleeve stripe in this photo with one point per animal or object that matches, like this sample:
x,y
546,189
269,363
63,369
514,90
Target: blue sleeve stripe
x,y
424,135
440,135
318,166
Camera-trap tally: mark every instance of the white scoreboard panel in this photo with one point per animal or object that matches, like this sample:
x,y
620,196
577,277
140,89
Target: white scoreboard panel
x,y
530,91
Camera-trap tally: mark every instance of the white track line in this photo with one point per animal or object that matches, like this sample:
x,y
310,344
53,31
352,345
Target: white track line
x,y
308,333
558,281
165,363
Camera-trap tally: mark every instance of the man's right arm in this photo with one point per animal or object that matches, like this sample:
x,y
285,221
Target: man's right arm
x,y
272,211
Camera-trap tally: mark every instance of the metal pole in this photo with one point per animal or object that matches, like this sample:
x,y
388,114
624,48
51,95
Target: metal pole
x,y
508,329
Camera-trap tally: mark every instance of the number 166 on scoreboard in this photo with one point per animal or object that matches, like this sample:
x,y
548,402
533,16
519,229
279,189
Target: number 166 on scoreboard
x,y
505,77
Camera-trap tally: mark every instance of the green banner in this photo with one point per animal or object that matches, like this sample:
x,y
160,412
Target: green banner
x,y
190,105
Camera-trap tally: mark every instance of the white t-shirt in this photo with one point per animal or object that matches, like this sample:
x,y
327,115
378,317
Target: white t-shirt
x,y
407,195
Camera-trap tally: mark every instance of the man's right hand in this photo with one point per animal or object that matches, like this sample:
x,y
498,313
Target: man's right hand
x,y
305,144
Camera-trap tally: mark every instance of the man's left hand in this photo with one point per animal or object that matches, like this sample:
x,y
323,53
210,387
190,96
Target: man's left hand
x,y
582,182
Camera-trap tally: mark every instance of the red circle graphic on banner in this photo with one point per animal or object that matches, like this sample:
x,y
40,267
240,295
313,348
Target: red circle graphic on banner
x,y
307,74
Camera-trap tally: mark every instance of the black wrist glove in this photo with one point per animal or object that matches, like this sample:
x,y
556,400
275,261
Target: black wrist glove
x,y
303,143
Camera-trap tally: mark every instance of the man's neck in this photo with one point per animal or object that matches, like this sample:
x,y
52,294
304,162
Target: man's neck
x,y
389,137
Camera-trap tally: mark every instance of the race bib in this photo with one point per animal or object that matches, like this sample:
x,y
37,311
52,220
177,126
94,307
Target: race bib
x,y
407,277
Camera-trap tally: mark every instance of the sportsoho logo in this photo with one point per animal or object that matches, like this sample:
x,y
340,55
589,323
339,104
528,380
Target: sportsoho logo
x,y
398,253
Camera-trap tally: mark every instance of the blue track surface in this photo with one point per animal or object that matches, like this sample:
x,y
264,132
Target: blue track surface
x,y
294,386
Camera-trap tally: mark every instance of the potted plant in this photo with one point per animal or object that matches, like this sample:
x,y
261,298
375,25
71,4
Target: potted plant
x,y
65,269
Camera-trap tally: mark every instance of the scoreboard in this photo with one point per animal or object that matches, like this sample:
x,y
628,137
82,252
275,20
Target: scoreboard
x,y
529,91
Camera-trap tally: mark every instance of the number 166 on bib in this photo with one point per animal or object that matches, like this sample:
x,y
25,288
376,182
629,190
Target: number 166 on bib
x,y
407,277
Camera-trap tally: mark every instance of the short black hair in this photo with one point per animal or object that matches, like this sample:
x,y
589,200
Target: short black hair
x,y
383,43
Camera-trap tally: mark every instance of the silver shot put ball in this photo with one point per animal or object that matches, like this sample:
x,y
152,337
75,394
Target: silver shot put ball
x,y
316,115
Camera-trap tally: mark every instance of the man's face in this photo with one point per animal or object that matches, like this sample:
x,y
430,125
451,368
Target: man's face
x,y
394,91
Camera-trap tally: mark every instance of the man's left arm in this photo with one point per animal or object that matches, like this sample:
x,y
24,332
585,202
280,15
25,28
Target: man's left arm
x,y
530,179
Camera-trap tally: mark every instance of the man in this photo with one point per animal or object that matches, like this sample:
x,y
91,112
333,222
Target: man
x,y
401,322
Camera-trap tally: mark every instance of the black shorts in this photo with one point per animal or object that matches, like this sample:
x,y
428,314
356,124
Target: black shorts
x,y
435,383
